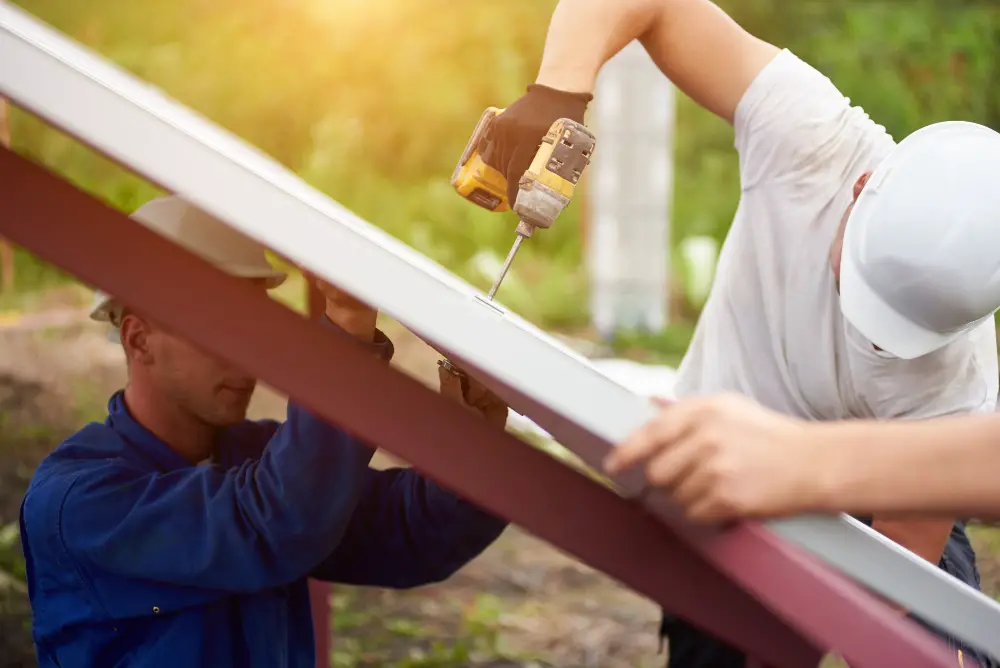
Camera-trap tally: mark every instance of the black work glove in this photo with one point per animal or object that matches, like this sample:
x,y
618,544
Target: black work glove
x,y
516,134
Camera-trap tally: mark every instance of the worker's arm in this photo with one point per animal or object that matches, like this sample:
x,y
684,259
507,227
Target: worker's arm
x,y
792,124
925,537
726,457
944,467
952,381
707,54
264,524
697,45
407,532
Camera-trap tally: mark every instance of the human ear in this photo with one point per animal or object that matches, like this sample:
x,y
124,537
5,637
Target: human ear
x,y
135,335
860,184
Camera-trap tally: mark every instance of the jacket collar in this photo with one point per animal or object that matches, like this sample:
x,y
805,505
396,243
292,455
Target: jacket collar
x,y
161,455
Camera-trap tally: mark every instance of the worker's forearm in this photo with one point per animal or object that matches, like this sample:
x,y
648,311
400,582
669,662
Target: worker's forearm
x,y
408,532
924,537
945,467
585,34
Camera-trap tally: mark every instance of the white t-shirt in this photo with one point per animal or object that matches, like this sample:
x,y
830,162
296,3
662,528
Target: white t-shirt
x,y
772,327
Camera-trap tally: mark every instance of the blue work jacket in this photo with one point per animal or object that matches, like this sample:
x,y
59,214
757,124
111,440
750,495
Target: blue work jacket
x,y
136,557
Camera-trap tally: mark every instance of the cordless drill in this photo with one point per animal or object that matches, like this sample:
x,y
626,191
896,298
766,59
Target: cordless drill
x,y
543,191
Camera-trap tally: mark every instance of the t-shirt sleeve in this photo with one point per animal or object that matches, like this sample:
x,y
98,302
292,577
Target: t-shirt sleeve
x,y
793,122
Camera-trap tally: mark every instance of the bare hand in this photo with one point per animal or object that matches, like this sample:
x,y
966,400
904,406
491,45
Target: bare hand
x,y
346,311
472,394
724,457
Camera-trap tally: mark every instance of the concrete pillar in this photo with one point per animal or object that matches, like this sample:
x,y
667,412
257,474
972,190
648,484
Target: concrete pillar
x,y
629,190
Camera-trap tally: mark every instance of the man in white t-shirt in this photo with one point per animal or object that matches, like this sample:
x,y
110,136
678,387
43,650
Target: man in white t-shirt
x,y
773,327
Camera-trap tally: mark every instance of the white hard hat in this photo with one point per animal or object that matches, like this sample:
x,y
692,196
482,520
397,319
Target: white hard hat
x,y
200,233
921,255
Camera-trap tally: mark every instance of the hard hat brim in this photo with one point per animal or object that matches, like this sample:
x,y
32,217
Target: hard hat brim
x,y
100,309
274,277
878,322
863,308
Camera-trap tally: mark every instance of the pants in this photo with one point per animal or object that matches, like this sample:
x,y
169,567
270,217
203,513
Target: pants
x,y
690,647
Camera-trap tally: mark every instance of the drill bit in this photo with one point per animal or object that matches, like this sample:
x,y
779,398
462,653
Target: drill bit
x,y
506,266
446,364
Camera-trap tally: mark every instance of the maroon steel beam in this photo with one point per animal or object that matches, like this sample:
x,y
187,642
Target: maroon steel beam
x,y
70,229
319,602
6,251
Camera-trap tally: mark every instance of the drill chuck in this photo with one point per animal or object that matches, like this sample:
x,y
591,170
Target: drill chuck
x,y
538,205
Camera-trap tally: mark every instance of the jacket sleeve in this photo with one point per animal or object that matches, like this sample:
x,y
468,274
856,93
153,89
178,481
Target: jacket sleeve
x,y
406,532
263,524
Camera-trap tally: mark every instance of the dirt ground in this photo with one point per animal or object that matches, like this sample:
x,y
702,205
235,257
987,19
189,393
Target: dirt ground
x,y
520,604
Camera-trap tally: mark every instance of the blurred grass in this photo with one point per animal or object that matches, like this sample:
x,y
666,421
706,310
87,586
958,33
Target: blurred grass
x,y
369,636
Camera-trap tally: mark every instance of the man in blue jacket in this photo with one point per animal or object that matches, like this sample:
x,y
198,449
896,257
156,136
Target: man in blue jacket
x,y
179,533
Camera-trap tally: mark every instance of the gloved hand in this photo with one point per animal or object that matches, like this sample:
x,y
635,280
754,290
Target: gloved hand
x,y
516,134
462,388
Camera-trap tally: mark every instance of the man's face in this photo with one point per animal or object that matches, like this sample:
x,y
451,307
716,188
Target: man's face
x,y
837,248
187,379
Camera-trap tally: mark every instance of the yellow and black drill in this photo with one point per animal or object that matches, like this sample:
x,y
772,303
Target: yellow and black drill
x,y
544,191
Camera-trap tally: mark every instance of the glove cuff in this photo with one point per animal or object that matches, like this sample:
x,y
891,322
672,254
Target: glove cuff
x,y
562,95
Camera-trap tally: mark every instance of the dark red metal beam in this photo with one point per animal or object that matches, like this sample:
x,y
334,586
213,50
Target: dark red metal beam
x,y
6,250
319,601
494,469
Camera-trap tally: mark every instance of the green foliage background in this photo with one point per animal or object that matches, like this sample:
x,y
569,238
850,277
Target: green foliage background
x,y
372,101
